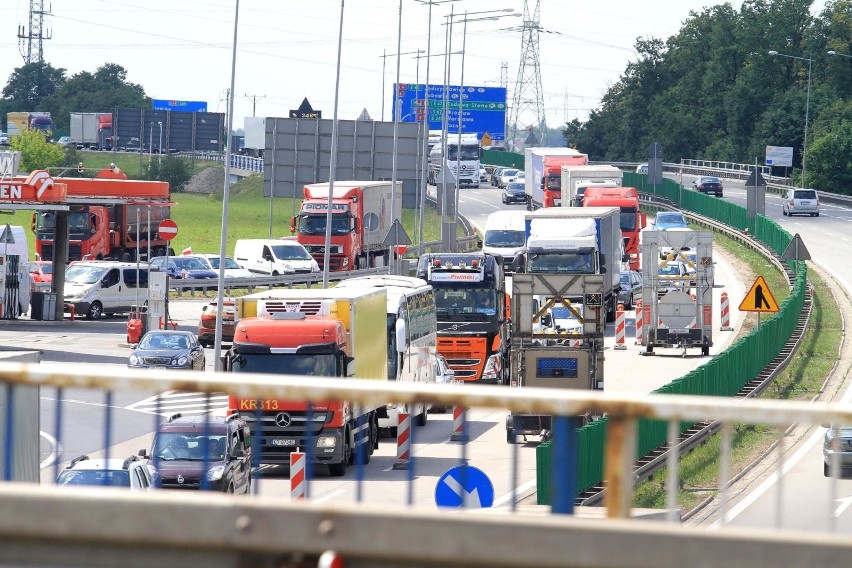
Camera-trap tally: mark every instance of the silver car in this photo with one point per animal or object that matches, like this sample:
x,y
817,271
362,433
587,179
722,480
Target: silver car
x,y
801,202
837,442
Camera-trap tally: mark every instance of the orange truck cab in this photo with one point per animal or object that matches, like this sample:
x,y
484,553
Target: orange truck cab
x,y
320,333
632,220
552,178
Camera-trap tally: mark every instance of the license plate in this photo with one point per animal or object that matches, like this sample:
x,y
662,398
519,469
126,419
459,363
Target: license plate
x,y
285,442
678,331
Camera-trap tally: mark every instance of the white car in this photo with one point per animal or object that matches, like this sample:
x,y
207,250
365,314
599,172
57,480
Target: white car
x,y
131,473
232,269
483,174
506,176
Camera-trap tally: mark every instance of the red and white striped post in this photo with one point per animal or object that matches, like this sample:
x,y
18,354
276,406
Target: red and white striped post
x,y
726,314
403,441
297,476
640,315
619,327
459,423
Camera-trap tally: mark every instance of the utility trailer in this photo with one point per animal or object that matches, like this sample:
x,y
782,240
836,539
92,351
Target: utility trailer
x,y
547,356
679,309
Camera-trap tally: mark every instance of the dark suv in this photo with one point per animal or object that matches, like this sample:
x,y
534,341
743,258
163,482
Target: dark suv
x,y
203,452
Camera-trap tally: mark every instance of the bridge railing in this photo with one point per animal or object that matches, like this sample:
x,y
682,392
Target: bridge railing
x,y
73,526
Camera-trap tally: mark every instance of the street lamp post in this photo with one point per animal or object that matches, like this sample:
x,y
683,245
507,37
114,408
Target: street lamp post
x,y
150,143
486,15
160,144
807,106
834,53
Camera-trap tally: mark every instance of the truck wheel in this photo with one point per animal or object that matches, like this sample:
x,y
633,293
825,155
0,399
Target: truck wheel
x,y
96,310
125,257
510,437
422,418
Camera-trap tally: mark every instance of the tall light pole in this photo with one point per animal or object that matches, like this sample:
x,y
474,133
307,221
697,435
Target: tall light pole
x,y
494,15
150,144
384,57
160,144
807,106
425,166
226,196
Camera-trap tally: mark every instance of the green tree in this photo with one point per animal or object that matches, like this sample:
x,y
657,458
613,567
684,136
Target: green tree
x,y
176,171
36,152
30,84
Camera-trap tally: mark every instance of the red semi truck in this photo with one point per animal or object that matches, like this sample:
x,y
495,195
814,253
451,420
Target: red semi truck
x,y
361,217
632,219
111,230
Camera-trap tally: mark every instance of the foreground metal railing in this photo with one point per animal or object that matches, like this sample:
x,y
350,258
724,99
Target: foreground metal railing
x,y
46,525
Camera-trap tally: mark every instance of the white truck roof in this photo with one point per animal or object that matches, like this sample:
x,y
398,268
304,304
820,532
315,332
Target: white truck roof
x,y
557,229
509,220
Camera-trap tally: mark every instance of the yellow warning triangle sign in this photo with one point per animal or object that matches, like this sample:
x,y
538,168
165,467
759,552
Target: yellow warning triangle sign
x,y
759,298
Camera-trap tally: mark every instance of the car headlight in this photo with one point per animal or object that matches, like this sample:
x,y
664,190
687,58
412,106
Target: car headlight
x,y
215,473
314,266
135,360
182,360
326,442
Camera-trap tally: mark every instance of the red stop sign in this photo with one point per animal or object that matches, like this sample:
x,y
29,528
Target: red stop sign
x,y
168,229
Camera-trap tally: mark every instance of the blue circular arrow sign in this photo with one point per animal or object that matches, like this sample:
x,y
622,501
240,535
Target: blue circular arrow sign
x,y
464,486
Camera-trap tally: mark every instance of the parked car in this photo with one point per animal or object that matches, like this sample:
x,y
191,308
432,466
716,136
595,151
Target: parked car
x,y
232,269
185,266
202,452
41,272
801,202
668,220
515,193
163,348
642,169
837,442
483,174
708,184
631,289
131,473
207,323
506,176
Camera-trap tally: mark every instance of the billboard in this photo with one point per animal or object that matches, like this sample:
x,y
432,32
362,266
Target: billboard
x,y
483,108
184,106
779,156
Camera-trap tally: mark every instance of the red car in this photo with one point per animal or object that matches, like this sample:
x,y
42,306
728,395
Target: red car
x,y
41,272
207,324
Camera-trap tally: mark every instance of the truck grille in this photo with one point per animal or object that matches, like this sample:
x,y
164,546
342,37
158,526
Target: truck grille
x,y
306,307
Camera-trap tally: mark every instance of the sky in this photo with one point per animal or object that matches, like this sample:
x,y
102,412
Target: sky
x,y
287,49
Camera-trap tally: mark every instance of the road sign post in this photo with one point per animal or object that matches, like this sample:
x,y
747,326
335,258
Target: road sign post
x,y
167,230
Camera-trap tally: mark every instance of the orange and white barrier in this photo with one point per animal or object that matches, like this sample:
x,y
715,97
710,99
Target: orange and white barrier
x,y
459,423
619,328
403,441
640,315
726,314
297,476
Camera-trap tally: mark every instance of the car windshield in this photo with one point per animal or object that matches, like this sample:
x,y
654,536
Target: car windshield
x,y
84,274
625,279
46,268
504,238
673,219
290,252
516,186
105,477
188,446
190,263
230,263
173,341
509,173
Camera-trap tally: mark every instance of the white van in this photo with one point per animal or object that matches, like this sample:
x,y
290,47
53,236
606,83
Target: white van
x,y
505,237
274,256
97,287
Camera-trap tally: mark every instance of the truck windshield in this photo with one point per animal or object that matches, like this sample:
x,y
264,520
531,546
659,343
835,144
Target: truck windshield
x,y
84,274
315,224
77,221
470,152
320,365
455,301
567,263
628,219
504,238
554,181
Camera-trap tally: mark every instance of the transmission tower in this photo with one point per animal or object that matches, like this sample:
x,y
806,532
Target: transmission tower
x,y
31,39
529,96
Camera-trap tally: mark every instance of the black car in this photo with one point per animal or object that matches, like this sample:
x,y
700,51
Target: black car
x,y
202,452
168,349
631,289
708,184
515,192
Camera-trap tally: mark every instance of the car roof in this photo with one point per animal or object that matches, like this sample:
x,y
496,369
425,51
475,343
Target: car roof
x,y
196,423
84,462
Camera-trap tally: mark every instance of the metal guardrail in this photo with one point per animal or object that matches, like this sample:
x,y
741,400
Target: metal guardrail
x,y
96,527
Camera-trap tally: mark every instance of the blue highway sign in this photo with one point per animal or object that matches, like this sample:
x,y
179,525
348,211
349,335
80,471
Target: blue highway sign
x,y
483,109
464,486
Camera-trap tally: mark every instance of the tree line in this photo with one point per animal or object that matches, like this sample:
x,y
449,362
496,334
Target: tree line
x,y
714,92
